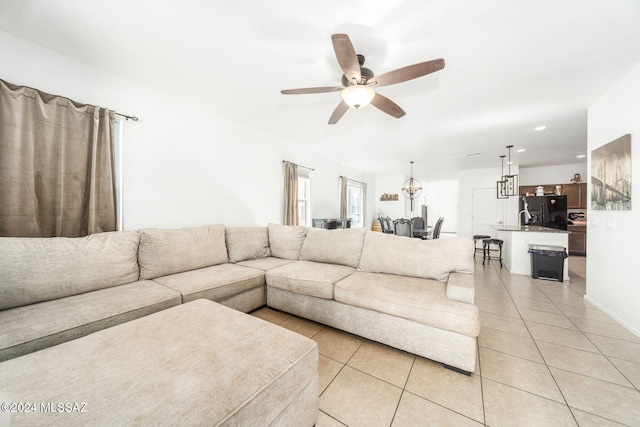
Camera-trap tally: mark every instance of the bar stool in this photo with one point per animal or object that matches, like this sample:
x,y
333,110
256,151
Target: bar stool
x,y
486,248
477,237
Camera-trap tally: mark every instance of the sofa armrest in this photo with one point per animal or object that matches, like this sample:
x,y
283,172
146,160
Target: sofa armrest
x,y
461,287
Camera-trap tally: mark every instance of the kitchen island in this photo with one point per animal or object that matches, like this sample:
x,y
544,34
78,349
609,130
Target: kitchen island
x,y
515,251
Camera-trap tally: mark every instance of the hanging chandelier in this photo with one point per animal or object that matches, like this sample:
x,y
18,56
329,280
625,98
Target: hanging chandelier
x,y
412,188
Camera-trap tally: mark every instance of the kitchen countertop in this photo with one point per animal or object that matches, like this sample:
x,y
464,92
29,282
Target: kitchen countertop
x,y
517,240
528,228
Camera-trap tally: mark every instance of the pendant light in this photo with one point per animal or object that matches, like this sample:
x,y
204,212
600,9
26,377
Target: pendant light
x,y
501,185
412,188
511,180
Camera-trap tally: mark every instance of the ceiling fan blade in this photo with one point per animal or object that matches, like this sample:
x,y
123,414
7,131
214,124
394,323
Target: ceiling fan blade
x,y
338,113
311,90
383,103
407,73
347,57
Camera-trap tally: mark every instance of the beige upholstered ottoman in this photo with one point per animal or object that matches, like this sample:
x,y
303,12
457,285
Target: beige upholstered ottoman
x,y
199,363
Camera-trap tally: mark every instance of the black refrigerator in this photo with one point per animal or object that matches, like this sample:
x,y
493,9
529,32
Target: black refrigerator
x,y
545,211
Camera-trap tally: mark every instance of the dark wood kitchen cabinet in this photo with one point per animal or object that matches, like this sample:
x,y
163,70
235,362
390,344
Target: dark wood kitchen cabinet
x,y
523,190
577,240
576,195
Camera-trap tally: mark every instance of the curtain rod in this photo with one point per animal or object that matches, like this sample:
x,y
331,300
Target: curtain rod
x,y
300,166
134,118
359,182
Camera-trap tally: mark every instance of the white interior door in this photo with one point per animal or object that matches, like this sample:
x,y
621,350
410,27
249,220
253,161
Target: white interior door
x,y
487,211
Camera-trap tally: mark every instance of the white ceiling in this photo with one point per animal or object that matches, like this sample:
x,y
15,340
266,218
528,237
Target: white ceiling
x,y
510,66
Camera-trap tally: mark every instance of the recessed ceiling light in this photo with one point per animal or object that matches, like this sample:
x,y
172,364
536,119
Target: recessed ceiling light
x,y
581,156
539,128
521,150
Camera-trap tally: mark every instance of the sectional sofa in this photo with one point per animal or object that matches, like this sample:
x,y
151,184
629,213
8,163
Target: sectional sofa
x,y
411,294
84,304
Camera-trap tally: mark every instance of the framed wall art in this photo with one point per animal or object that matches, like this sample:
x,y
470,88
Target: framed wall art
x,y
611,175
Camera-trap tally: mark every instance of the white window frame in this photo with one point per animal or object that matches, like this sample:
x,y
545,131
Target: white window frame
x,y
304,197
355,187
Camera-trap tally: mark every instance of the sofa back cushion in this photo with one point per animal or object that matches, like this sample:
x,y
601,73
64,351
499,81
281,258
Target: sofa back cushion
x,y
428,259
286,241
41,269
245,243
341,246
165,252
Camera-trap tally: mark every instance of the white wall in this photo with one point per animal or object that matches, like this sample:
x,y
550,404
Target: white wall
x,y
183,165
442,200
612,277
390,185
545,175
472,179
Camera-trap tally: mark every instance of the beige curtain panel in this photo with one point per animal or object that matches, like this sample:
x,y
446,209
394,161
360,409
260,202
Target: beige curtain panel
x,y
56,165
344,213
290,193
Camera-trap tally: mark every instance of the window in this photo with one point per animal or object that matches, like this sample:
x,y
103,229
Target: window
x,y
355,203
117,142
304,198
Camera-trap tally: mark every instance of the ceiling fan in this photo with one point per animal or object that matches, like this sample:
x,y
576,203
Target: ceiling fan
x,y
358,82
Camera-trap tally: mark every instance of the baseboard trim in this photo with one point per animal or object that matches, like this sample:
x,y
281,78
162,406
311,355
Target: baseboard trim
x,y
616,318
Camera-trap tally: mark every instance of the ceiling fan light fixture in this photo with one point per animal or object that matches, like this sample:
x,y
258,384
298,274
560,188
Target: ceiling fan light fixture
x,y
357,96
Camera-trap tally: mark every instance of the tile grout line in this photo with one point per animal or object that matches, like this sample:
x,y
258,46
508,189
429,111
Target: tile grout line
x,y
535,283
538,348
575,373
484,410
338,373
404,389
584,334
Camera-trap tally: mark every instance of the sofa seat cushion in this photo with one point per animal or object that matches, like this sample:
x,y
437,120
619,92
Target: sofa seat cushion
x,y
308,278
420,300
267,263
195,364
35,269
216,283
164,252
34,327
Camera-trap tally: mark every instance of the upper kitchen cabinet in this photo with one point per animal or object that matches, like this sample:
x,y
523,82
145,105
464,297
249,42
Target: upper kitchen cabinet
x,y
523,190
576,195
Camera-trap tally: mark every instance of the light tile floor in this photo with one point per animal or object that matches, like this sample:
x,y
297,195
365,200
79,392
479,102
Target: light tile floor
x,y
547,357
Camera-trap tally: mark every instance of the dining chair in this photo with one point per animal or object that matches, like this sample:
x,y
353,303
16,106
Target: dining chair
x,y
437,228
402,227
419,227
387,225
